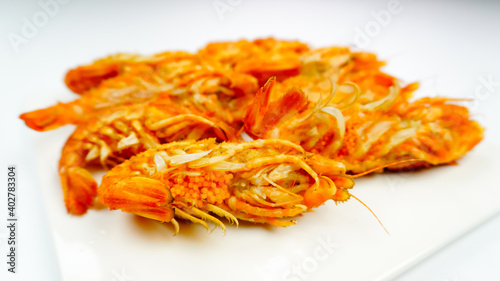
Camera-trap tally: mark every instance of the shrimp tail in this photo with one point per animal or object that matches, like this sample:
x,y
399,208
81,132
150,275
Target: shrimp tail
x,y
53,117
79,189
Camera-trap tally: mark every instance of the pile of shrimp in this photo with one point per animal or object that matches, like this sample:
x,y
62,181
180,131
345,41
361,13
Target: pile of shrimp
x,y
260,131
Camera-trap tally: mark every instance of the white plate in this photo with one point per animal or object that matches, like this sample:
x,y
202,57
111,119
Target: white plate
x,y
423,211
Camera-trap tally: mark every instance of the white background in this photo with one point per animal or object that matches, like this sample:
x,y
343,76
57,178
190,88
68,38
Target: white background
x,y
448,46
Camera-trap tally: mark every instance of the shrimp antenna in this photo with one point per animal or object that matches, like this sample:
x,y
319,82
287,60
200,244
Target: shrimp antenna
x,y
383,166
371,212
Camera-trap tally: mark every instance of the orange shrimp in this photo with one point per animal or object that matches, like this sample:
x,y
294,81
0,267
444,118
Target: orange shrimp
x,y
219,93
366,136
125,131
86,77
263,181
